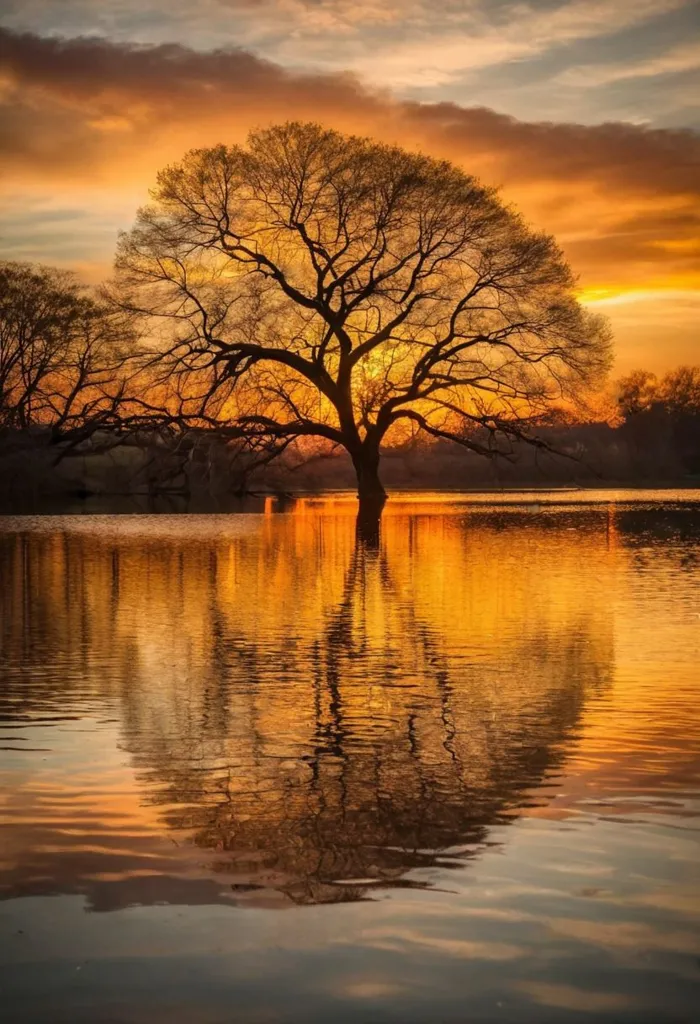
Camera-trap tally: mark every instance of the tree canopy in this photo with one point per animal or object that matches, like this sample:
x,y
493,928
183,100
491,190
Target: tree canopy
x,y
313,284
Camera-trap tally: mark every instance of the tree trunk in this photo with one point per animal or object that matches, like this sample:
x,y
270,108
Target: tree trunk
x,y
371,494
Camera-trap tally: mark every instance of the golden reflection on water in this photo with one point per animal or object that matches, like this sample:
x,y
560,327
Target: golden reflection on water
x,y
255,708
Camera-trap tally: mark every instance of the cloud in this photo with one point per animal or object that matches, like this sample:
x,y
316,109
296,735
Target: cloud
x,y
110,96
580,1000
678,59
416,39
70,105
475,39
89,122
503,53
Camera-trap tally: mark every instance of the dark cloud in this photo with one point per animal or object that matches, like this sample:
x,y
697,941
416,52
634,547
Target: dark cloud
x,y
102,86
625,156
89,106
96,74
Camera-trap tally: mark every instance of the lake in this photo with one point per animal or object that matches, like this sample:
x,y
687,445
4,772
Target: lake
x,y
253,772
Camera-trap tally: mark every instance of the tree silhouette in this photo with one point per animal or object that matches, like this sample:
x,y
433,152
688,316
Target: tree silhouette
x,y
317,285
661,419
62,361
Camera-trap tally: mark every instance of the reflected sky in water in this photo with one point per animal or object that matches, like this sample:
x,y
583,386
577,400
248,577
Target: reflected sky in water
x,y
248,762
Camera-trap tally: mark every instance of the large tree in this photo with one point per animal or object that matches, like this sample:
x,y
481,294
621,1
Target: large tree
x,y
314,284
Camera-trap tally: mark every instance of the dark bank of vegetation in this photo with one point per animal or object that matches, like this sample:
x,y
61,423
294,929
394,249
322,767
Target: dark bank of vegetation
x,y
285,314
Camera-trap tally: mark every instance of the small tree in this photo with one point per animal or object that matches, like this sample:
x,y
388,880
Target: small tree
x,y
327,286
62,359
637,393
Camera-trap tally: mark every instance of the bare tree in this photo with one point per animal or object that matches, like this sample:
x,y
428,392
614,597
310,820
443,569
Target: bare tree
x,y
320,285
62,362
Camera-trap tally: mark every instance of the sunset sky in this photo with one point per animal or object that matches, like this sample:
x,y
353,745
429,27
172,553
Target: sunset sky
x,y
585,112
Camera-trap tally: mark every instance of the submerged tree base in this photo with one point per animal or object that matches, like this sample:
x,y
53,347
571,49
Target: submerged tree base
x,y
369,517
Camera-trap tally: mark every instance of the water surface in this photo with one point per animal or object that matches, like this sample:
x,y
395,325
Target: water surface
x,y
253,772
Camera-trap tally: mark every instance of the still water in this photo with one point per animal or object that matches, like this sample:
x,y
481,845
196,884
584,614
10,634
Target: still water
x,y
252,772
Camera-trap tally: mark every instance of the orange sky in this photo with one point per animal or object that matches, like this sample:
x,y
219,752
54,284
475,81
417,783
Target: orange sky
x,y
88,122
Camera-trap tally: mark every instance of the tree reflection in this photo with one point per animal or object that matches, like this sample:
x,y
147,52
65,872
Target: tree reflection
x,y
408,762
318,716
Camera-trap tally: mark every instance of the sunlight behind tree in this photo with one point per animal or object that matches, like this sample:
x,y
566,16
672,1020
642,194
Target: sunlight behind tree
x,y
321,285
